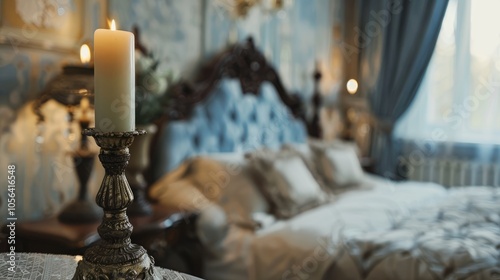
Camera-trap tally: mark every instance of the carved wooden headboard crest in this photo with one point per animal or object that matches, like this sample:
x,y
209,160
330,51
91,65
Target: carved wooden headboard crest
x,y
240,61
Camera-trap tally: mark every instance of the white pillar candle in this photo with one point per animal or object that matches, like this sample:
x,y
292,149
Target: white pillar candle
x,y
114,78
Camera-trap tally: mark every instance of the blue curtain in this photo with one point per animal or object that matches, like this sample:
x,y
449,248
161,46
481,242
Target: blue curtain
x,y
396,41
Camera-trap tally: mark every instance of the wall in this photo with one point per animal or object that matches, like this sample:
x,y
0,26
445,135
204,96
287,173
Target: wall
x,y
180,34
293,40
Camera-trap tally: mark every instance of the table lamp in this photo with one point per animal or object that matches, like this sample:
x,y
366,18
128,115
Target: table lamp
x,y
75,88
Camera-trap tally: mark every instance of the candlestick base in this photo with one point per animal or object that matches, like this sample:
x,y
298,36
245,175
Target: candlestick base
x,y
115,257
82,210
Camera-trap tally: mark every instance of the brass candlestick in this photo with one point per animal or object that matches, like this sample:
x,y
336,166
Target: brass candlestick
x,y
115,257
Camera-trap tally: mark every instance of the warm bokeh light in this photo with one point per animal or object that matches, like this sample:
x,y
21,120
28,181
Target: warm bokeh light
x,y
112,24
85,53
84,103
352,86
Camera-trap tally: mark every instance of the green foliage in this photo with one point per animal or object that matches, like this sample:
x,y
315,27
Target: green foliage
x,y
151,93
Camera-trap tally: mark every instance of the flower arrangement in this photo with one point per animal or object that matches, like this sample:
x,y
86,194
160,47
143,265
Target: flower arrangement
x,y
151,94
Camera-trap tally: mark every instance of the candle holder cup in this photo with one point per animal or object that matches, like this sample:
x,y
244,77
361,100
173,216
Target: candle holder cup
x,y
115,257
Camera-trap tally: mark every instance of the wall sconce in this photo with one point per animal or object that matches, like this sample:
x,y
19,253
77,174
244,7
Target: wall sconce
x,y
352,86
241,8
275,6
237,8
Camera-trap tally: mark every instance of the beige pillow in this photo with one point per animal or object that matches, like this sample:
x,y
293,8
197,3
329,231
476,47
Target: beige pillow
x,y
338,164
287,183
179,195
228,183
175,192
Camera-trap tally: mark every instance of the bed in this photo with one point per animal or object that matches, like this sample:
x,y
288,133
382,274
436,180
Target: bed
x,y
275,204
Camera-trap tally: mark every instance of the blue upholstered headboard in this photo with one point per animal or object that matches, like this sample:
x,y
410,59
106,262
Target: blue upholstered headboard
x,y
237,103
227,121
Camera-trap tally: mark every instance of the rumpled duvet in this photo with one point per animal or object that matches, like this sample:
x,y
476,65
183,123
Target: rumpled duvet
x,y
387,231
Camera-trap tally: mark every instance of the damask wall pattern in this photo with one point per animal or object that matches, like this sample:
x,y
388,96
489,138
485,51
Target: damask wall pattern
x,y
170,29
180,34
293,39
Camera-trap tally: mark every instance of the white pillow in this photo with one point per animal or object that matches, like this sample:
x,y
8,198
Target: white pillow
x,y
295,178
338,164
308,156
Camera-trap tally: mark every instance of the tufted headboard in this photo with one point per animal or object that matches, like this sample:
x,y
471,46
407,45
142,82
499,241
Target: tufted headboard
x,y
237,104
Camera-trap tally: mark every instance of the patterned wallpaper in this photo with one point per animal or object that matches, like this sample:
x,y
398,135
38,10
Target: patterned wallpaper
x,y
292,39
170,29
180,34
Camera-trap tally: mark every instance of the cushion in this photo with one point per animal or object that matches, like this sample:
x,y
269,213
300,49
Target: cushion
x,y
338,163
308,156
335,144
226,180
212,228
175,192
287,182
179,195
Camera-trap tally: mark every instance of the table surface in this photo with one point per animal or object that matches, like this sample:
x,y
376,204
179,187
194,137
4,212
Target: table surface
x,y
82,235
165,235
57,267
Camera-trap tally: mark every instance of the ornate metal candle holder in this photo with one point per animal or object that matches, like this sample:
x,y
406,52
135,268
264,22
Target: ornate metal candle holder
x,y
115,257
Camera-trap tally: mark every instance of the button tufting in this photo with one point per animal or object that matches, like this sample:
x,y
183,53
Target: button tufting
x,y
196,141
232,115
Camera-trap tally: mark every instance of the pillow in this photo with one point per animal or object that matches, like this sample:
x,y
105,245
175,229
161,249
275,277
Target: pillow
x,y
212,228
338,164
308,156
174,192
226,181
178,192
286,182
335,144
179,195
302,149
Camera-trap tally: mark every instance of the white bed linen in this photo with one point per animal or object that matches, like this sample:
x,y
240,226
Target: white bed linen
x,y
305,246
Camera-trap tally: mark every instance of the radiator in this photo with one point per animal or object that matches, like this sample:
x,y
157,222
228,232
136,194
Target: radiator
x,y
455,173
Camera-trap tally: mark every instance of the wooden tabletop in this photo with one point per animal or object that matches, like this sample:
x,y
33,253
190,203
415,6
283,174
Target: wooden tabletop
x,y
82,235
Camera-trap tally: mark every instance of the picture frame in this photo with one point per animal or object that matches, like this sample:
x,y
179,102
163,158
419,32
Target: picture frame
x,y
54,25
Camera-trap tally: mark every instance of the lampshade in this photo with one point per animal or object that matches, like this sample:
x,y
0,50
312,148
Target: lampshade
x,y
68,88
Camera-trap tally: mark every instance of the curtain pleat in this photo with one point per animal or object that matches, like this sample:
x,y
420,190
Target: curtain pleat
x,y
399,54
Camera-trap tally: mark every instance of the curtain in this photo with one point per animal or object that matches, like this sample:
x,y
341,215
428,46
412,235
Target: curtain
x,y
455,116
396,39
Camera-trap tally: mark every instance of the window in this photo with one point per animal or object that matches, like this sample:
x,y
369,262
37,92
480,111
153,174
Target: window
x,y
459,98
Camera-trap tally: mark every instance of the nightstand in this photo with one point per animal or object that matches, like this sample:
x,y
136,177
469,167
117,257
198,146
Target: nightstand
x,y
167,235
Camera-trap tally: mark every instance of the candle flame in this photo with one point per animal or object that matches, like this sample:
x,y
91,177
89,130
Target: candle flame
x,y
85,53
112,24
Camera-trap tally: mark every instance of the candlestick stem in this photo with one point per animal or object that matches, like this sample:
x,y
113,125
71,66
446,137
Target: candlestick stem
x,y
115,257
